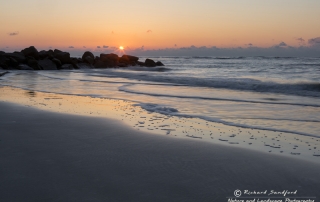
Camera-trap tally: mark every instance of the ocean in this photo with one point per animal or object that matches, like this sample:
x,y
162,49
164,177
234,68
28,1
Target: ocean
x,y
271,94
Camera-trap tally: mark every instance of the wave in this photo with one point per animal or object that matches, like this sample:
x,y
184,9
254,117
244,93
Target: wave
x,y
148,69
125,89
311,89
174,112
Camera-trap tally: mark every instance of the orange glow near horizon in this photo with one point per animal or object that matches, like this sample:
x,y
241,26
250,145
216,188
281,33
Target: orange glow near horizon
x,y
144,24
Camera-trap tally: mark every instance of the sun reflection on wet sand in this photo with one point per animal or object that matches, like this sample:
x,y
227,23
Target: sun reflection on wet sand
x,y
279,143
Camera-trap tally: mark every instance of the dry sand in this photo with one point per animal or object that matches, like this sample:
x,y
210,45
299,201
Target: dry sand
x,y
47,156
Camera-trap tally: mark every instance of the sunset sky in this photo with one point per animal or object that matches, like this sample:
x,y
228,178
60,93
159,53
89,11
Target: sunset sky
x,y
155,24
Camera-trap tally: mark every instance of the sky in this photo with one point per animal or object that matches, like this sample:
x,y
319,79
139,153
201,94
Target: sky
x,y
162,27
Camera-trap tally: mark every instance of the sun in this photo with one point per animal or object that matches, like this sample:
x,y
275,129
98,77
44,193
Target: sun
x,y
121,48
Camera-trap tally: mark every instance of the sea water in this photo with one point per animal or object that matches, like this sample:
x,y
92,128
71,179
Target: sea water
x,y
268,93
266,104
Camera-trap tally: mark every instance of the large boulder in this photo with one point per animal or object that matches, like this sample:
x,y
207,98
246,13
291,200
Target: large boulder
x,y
159,63
45,54
109,57
124,60
64,57
101,64
24,67
18,56
142,64
4,61
31,51
88,60
88,57
122,65
131,58
74,62
150,63
67,66
13,62
47,64
2,53
34,64
56,51
57,62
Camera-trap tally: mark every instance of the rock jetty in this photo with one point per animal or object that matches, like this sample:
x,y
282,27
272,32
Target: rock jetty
x,y
32,59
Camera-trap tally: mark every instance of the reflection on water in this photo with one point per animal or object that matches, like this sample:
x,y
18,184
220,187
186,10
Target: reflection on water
x,y
278,143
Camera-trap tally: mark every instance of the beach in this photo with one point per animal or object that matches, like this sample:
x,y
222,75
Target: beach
x,y
183,132
49,156
160,101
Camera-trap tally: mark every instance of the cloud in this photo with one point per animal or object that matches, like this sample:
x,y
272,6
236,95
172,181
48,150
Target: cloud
x,y
105,46
13,33
175,45
84,47
300,40
112,32
273,51
139,49
149,31
314,41
98,47
249,44
282,44
71,46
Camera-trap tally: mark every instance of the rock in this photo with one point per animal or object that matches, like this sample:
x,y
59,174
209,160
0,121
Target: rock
x,y
56,51
88,60
150,63
24,67
57,62
74,62
34,64
13,62
64,57
101,64
84,66
4,61
122,65
131,58
142,64
86,55
67,66
3,73
47,64
124,60
159,63
57,59
31,51
45,54
109,57
18,56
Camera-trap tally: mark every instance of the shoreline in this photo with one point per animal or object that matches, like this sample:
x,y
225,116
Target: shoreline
x,y
55,156
292,146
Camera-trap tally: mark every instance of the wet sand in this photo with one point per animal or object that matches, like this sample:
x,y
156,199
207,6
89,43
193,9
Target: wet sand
x,y
47,156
